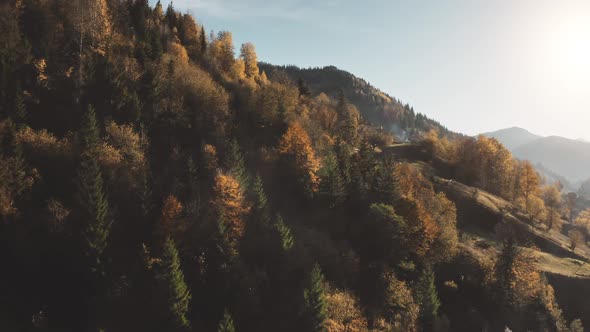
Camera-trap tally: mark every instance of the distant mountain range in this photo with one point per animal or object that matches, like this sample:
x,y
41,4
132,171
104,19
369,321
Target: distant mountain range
x,y
557,155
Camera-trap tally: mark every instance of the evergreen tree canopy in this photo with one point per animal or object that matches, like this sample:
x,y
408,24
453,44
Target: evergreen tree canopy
x,y
315,308
174,288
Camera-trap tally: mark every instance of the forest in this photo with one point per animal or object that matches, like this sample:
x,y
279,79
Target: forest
x,y
155,177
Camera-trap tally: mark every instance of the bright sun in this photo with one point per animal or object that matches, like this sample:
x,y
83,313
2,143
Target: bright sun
x,y
569,40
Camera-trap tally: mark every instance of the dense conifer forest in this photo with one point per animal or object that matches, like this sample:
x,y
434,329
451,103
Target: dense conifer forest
x,y
155,177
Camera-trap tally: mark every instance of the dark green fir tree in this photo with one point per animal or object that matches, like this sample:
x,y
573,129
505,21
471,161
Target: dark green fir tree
x,y
174,288
315,307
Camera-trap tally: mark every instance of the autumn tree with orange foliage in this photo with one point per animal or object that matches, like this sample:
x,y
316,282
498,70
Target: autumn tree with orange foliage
x,y
170,225
517,278
432,217
527,183
230,208
487,164
295,147
552,198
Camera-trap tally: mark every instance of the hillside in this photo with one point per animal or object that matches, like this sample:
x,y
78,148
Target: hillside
x,y
570,158
154,179
559,156
377,107
513,138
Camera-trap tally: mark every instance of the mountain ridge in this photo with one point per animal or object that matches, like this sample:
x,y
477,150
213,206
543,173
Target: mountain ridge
x,y
567,157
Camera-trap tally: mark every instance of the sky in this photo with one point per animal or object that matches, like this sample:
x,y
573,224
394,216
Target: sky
x,y
474,65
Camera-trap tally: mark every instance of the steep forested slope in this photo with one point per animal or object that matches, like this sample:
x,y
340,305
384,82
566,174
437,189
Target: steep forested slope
x,y
152,180
376,106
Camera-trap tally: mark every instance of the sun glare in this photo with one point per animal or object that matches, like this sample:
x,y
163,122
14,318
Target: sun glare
x,y
569,41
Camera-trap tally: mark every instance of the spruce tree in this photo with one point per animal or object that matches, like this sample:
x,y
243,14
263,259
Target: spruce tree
x,y
193,194
20,111
343,154
427,297
18,160
283,234
260,208
171,16
315,307
203,40
91,196
236,165
303,88
226,324
174,288
332,184
19,168
384,189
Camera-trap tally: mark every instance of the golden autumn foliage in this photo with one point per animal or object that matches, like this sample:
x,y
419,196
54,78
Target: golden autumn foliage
x,y
402,311
444,213
275,102
583,220
92,23
210,159
344,313
552,198
422,229
195,97
58,213
221,51
527,182
178,51
576,238
518,277
411,183
248,55
171,209
432,216
230,207
485,163
43,142
296,146
128,142
441,147
527,279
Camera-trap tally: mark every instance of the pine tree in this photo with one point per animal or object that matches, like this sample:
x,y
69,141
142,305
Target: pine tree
x,y
315,307
193,194
303,88
226,324
20,111
505,272
203,40
171,16
260,208
91,196
427,297
343,154
18,163
384,183
89,134
19,168
174,288
332,184
236,165
284,234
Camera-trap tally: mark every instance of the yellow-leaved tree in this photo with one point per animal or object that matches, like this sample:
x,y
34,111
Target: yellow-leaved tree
x,y
295,147
230,208
248,55
552,199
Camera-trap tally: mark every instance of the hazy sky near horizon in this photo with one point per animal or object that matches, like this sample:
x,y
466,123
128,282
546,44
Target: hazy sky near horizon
x,y
475,66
